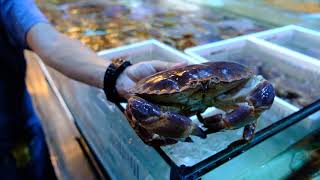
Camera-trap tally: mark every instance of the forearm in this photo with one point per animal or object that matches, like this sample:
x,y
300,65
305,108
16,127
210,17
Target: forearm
x,y
67,56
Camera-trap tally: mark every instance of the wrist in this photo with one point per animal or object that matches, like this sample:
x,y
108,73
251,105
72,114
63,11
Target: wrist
x,y
112,74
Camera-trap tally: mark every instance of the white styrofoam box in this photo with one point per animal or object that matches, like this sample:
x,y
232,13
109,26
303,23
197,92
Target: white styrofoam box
x,y
198,52
302,41
147,50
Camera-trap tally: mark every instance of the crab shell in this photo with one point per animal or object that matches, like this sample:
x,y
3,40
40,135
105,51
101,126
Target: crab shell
x,y
192,88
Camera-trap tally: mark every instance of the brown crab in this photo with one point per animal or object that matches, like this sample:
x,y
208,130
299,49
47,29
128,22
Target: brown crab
x,y
161,104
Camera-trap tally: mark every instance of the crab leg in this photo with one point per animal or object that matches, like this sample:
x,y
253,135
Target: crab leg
x,y
248,131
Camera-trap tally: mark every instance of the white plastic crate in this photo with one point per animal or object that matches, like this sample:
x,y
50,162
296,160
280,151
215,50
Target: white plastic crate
x,y
147,50
298,39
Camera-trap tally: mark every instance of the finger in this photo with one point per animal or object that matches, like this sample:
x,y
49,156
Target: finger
x,y
140,71
147,68
163,65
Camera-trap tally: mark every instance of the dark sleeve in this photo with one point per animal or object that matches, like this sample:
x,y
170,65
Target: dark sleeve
x,y
17,17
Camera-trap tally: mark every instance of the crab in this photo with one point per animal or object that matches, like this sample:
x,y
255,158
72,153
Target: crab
x,y
160,105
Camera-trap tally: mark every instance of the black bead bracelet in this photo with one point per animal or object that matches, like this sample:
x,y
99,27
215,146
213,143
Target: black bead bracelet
x,y
111,75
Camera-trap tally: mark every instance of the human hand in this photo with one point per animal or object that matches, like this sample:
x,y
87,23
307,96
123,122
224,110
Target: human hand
x,y
136,72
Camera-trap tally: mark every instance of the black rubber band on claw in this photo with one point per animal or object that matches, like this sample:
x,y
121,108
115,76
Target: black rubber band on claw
x,y
110,78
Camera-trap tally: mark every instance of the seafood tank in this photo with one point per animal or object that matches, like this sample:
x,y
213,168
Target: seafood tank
x,y
276,12
176,26
106,24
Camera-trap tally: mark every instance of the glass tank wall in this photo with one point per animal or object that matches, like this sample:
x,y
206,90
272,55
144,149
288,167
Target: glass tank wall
x,y
299,161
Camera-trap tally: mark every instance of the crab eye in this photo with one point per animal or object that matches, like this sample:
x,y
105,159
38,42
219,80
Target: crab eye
x,y
216,79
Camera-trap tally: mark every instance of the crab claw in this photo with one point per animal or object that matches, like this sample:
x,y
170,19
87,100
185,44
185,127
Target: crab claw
x,y
258,95
157,124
